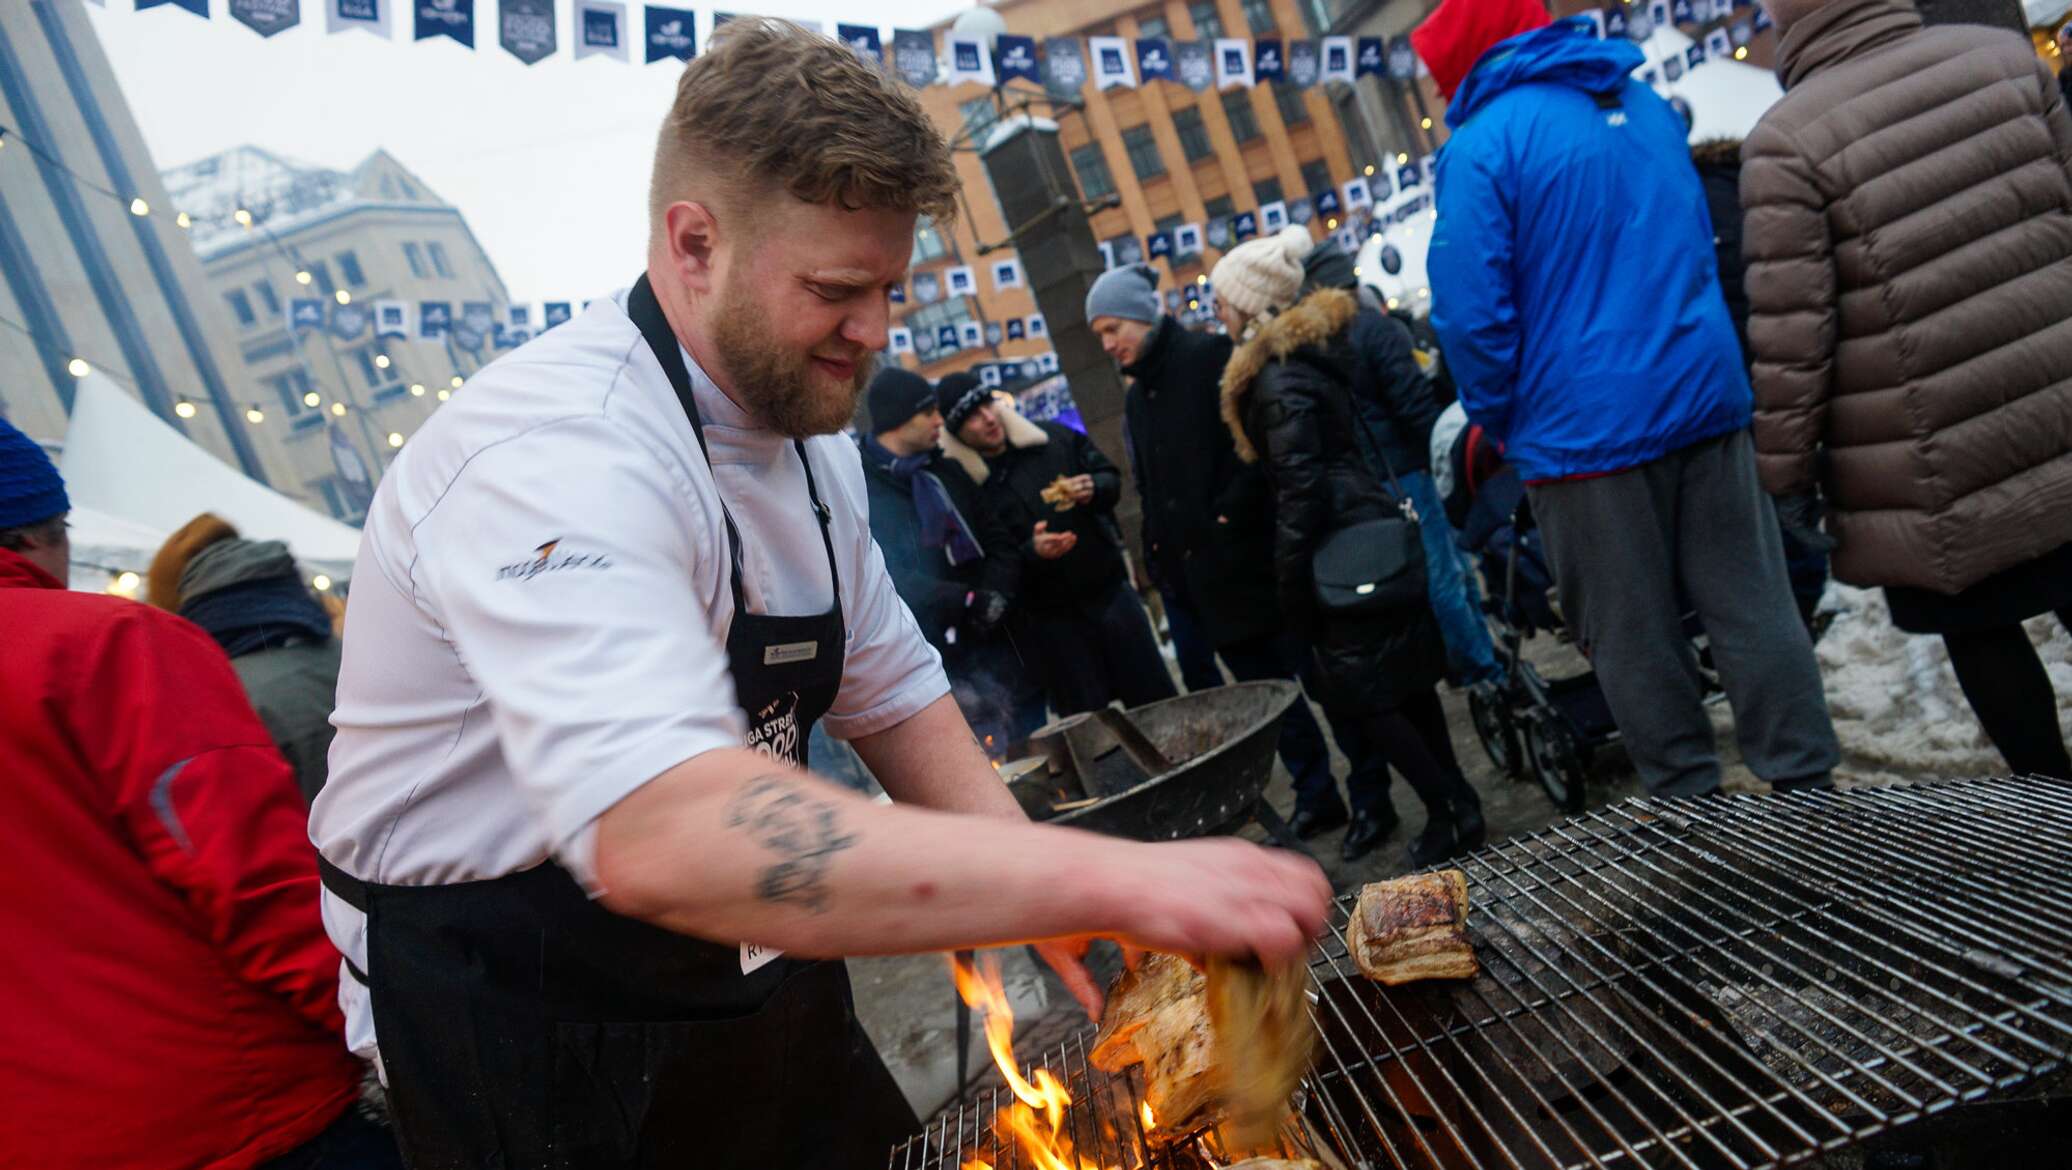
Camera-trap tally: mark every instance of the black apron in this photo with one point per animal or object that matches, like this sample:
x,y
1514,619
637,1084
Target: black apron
x,y
524,1026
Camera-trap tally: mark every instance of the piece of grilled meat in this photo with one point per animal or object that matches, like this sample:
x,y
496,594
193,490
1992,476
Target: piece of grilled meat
x,y
1413,928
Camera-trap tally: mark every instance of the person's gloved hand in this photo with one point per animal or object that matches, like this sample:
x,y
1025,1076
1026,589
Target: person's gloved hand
x,y
985,612
1800,515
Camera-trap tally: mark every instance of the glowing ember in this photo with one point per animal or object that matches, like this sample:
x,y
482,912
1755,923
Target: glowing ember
x,y
1150,1122
1039,1109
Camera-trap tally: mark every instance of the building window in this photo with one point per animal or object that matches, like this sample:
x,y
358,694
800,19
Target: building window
x,y
1258,16
1194,135
1267,191
268,297
376,376
320,278
1208,23
241,307
414,255
349,267
1244,124
333,498
1294,111
1142,148
979,116
438,253
290,387
928,243
1316,177
1219,207
1152,26
1092,168
409,189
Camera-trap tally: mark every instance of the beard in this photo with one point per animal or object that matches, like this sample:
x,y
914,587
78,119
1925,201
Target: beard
x,y
776,382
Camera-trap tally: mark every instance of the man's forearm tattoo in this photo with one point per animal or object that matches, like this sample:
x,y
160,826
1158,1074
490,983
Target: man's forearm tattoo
x,y
801,828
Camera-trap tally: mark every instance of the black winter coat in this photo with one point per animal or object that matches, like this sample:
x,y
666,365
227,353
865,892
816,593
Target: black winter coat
x,y
923,577
1397,403
1208,516
1288,404
1719,170
1012,488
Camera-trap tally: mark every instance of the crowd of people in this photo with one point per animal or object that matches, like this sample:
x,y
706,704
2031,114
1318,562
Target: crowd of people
x,y
1839,344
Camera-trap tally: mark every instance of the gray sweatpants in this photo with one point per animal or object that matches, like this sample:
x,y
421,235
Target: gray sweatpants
x,y
1621,545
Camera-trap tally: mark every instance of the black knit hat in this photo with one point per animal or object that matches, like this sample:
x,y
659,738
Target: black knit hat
x,y
960,395
896,395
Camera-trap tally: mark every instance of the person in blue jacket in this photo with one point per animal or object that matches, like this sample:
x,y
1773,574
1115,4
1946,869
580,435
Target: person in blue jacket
x,y
1575,291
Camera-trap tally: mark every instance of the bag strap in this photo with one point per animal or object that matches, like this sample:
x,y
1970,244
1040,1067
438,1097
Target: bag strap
x,y
1403,502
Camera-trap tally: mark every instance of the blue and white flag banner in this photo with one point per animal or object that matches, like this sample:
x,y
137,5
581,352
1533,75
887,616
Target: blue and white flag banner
x,y
1672,69
1680,11
1409,175
899,340
1154,59
913,56
1064,66
556,313
970,335
1245,226
1036,326
1429,165
1741,33
1762,18
1402,58
670,34
1016,329
266,17
993,334
1357,194
897,294
927,288
1111,56
369,15
1326,202
1267,64
1233,63
518,316
1615,22
1107,255
1007,274
1717,44
989,376
1658,13
1302,63
391,319
1300,211
198,7
1016,59
601,30
1158,245
305,313
1596,18
349,321
946,337
969,60
444,18
434,318
525,28
958,281
1338,60
1371,58
1187,240
1194,66
865,40
1695,55
1047,362
1273,217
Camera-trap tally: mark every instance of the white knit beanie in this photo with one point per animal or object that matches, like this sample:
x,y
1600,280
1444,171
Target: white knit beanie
x,y
1263,276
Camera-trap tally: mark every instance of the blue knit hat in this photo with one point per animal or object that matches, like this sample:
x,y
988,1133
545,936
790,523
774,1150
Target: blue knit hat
x,y
30,489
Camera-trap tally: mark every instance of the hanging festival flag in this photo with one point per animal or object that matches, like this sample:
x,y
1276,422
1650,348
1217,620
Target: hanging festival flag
x,y
349,321
1596,18
305,313
927,288
434,318
555,313
1337,63
500,336
353,481
1273,217
1694,56
898,340
924,345
266,17
518,316
1218,232
897,294
1303,64
391,319
1017,59
969,60
1370,59
865,40
1036,326
1326,202
1047,363
1298,212
1193,65
198,7
525,28
1233,63
1762,18
1159,245
1429,164
989,376
1357,194
1680,11
959,281
1015,329
1658,14
1673,69
601,29
1615,22
1187,240
1007,274
472,329
1266,61
1402,58
1408,175
371,15
1717,44
946,337
1111,62
993,333
1154,59
1742,34
913,56
1245,226
1107,251
970,335
1064,66
444,18
670,34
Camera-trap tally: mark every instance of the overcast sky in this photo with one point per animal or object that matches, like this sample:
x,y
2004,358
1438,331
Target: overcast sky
x,y
548,162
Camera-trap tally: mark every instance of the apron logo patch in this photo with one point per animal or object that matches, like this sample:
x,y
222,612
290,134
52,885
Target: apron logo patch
x,y
785,652
548,558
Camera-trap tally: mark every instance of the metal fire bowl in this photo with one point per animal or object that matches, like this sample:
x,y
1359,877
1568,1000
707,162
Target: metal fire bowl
x,y
1225,741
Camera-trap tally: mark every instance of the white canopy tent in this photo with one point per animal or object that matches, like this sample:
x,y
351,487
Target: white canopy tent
x,y
133,480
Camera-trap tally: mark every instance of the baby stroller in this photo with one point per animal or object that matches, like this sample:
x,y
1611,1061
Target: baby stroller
x,y
1530,724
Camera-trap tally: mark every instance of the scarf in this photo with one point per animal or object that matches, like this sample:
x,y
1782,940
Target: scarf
x,y
942,526
256,615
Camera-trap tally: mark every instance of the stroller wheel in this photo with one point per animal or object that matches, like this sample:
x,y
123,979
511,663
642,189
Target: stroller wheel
x,y
1556,763
1497,729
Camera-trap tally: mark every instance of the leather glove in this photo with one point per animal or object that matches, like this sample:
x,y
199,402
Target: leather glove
x,y
985,612
1800,515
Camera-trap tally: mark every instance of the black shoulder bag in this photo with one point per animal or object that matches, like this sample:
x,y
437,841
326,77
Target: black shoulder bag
x,y
1369,568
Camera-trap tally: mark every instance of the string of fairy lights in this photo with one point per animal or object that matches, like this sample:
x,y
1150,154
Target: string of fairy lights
x,y
79,365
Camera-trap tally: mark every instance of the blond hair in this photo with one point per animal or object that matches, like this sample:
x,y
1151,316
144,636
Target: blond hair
x,y
773,107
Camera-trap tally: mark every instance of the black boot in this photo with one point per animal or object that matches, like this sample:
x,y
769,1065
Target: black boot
x,y
1470,833
1436,843
1314,822
1369,826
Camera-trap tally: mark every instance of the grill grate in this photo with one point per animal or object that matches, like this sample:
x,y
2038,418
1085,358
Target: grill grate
x,y
1734,982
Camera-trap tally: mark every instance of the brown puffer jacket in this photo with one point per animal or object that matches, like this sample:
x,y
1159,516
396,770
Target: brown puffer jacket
x,y
1909,246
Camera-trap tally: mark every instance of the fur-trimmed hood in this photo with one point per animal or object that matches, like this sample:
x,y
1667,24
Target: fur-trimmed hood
x,y
1312,322
1020,433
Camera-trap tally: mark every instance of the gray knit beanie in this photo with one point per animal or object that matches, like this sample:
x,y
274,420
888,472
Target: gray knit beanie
x,y
1130,292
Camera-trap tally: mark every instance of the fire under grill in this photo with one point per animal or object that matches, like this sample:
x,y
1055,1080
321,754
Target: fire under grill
x,y
1734,982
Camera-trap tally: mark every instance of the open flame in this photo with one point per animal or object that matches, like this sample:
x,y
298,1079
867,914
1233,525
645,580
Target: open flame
x,y
1035,1117
1150,1121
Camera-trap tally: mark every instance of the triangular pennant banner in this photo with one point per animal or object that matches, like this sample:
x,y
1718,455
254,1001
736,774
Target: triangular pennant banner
x,y
601,30
266,17
670,34
913,56
865,40
1233,63
1111,62
444,18
969,60
525,28
1064,66
1302,64
198,7
1017,59
1371,60
1154,59
1267,64
370,15
1193,65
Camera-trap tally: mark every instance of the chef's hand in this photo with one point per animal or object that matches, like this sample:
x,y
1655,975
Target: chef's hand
x,y
1222,896
1052,545
1067,956
1080,489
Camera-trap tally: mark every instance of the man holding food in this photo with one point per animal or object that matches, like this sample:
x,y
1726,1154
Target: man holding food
x,y
1055,492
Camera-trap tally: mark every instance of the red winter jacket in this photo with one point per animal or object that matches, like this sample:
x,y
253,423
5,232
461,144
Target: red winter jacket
x,y
168,998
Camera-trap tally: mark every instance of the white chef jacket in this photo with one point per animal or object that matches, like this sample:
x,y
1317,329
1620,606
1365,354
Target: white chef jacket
x,y
539,611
